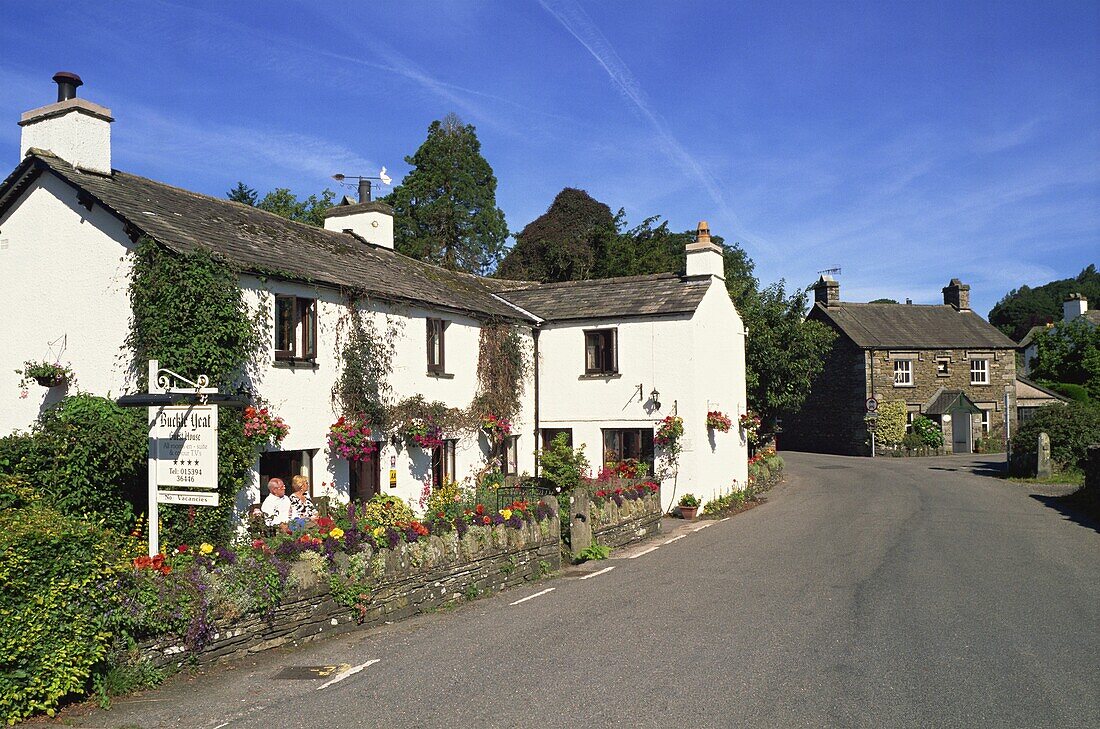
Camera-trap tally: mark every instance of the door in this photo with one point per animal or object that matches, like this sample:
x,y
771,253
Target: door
x,y
366,477
960,432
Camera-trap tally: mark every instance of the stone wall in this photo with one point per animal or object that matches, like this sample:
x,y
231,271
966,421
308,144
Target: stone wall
x,y
831,419
400,583
616,526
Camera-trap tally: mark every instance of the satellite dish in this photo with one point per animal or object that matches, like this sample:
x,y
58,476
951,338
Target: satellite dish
x,y
384,177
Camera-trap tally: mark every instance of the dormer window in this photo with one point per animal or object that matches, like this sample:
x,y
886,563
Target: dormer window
x,y
295,328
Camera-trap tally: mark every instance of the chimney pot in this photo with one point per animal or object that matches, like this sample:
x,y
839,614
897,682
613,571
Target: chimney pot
x,y
826,291
364,190
66,85
704,257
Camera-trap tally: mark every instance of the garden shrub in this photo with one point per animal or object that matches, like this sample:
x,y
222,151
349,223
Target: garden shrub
x,y
53,602
1072,428
928,431
385,510
890,428
1077,393
86,456
562,464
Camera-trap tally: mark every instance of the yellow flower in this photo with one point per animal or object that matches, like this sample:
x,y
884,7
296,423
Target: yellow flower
x,y
336,533
206,548
506,513
378,531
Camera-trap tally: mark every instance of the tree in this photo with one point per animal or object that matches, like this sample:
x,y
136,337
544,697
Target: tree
x,y
564,243
1025,307
785,351
310,211
242,194
445,209
1069,352
883,301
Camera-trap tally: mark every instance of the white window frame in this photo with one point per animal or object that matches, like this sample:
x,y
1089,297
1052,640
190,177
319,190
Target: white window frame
x,y
985,422
979,371
903,368
945,364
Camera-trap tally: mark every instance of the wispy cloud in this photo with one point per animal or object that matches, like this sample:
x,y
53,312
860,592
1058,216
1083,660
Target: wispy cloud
x,y
573,18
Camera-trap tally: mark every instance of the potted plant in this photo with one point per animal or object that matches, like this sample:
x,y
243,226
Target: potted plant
x,y
750,427
350,437
719,421
496,428
261,428
45,373
689,506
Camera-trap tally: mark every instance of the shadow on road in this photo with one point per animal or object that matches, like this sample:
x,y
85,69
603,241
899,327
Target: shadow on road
x,y
1073,507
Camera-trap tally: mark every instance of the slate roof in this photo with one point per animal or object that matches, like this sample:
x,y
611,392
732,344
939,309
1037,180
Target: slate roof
x,y
260,242
627,296
946,401
912,326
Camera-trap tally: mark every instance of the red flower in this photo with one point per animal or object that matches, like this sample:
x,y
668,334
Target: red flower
x,y
258,544
182,548
480,509
486,520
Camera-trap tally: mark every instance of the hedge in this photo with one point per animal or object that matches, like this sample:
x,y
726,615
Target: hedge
x,y
1072,428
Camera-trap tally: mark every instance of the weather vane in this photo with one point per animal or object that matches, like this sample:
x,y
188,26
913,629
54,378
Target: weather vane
x,y
364,182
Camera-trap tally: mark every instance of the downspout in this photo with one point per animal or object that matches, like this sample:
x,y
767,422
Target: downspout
x,y
535,337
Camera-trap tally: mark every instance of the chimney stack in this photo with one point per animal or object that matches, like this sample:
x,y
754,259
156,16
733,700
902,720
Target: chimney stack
x,y
826,291
1074,306
75,130
957,294
704,257
371,221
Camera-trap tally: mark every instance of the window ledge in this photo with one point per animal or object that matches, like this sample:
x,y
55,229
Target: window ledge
x,y
903,386
601,376
296,364
980,384
442,375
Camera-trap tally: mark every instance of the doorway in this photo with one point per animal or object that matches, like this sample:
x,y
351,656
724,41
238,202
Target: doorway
x,y
961,435
365,480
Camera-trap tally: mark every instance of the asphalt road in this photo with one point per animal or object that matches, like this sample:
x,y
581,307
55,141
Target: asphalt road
x,y
893,592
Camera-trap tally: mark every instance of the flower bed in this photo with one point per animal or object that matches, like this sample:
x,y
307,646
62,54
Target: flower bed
x,y
209,601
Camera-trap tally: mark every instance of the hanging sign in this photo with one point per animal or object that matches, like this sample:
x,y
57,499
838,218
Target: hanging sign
x,y
393,478
186,447
192,498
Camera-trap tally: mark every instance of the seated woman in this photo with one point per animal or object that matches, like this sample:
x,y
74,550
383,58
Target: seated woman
x,y
301,506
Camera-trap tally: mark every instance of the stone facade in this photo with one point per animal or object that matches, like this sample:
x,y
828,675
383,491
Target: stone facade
x,y
831,419
616,526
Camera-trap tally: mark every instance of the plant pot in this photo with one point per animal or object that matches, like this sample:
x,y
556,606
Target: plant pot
x,y
689,512
50,381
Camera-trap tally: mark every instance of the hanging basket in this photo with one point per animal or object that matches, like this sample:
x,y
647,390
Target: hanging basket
x,y
50,380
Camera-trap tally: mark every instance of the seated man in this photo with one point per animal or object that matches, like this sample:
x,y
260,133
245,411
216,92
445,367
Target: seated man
x,y
276,506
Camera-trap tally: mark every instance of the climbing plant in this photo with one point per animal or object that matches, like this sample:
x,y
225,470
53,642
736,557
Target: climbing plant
x,y
362,390
501,367
189,313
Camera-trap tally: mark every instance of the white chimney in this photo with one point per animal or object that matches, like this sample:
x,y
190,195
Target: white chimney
x,y
372,220
704,258
1074,306
75,130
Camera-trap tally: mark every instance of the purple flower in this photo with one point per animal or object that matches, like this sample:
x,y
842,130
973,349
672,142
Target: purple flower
x,y
393,537
461,526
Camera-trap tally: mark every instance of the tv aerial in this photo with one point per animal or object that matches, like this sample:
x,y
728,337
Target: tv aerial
x,y
834,271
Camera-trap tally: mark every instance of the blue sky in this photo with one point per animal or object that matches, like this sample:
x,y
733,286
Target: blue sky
x,y
907,143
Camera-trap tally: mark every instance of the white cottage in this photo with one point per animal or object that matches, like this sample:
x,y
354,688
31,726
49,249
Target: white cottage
x,y
611,357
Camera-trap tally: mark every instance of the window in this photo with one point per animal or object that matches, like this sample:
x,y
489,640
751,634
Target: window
x,y
909,415
903,373
985,422
548,434
295,328
942,364
600,355
509,456
436,348
622,444
979,372
285,465
443,463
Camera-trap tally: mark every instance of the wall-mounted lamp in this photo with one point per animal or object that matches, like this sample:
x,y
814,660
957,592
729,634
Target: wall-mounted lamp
x,y
395,441
655,397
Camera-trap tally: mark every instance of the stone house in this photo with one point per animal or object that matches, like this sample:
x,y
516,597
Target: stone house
x,y
1075,306
942,361
609,359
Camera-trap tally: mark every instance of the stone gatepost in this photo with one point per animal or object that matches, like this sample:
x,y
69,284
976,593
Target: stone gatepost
x,y
1043,467
580,528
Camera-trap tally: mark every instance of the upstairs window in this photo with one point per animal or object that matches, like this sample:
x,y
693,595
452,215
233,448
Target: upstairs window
x,y
979,372
600,352
903,373
295,328
436,348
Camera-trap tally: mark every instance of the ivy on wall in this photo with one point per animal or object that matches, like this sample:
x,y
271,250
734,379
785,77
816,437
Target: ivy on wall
x,y
362,389
501,367
189,313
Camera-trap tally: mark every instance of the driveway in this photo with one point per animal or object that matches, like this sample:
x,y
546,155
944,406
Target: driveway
x,y
864,593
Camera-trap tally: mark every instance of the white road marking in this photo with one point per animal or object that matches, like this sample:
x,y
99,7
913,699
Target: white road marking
x,y
681,536
349,672
644,551
722,520
701,528
532,597
594,574
219,726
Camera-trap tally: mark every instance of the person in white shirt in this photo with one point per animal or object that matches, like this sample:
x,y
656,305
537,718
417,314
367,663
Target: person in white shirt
x,y
276,506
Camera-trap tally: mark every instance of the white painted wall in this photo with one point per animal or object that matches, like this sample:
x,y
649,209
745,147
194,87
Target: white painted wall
x,y
66,271
692,361
81,139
